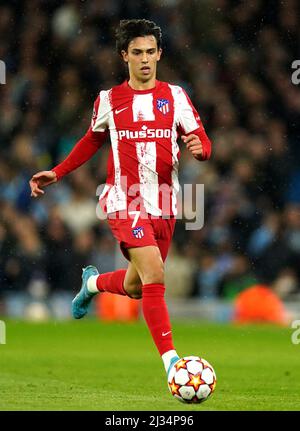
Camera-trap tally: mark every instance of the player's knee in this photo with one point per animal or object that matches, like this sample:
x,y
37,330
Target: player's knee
x,y
137,295
134,291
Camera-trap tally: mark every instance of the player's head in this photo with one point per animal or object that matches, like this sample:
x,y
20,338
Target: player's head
x,y
138,42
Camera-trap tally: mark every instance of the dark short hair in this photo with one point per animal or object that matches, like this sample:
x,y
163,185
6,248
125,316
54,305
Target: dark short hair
x,y
129,29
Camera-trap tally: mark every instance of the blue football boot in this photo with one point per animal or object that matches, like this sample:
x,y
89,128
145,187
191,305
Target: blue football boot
x,y
81,302
173,362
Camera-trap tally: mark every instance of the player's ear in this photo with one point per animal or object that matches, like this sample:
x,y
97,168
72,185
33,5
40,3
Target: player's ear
x,y
124,55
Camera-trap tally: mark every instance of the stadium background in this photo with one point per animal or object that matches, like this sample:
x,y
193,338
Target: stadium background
x,y
234,59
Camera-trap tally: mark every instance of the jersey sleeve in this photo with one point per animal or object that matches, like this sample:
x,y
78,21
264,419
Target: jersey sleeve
x,y
189,122
87,146
101,110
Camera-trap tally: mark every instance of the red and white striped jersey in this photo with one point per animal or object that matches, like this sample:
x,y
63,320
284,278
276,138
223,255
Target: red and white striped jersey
x,y
142,170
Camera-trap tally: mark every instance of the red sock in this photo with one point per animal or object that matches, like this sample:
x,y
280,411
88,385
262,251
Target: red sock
x,y
157,316
112,282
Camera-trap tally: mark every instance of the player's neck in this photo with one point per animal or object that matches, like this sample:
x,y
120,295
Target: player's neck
x,y
139,85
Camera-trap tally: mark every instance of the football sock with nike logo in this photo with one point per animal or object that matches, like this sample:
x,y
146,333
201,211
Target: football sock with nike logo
x,y
157,318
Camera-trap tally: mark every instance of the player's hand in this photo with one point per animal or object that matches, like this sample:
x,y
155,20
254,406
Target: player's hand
x,y
39,180
194,145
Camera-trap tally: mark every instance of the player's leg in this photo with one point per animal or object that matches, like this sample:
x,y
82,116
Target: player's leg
x,y
150,268
121,282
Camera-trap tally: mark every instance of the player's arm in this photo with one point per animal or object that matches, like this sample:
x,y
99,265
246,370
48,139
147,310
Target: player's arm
x,y
191,129
81,153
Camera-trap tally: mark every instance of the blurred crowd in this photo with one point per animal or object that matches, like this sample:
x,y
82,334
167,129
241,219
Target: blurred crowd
x,y
234,60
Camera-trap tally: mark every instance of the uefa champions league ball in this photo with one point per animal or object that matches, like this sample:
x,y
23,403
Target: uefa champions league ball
x,y
192,379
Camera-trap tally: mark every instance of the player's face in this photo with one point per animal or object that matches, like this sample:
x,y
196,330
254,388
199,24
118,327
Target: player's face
x,y
142,57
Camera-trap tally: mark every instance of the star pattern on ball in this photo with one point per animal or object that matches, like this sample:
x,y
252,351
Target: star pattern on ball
x,y
205,367
174,387
181,364
195,381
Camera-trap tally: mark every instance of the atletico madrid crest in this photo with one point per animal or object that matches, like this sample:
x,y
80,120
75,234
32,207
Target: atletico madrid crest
x,y
163,105
138,232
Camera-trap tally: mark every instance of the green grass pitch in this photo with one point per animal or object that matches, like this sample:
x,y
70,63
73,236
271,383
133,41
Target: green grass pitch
x,y
89,365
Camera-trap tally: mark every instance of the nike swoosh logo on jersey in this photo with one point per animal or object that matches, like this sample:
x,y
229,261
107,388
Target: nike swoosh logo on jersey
x,y
165,333
117,111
